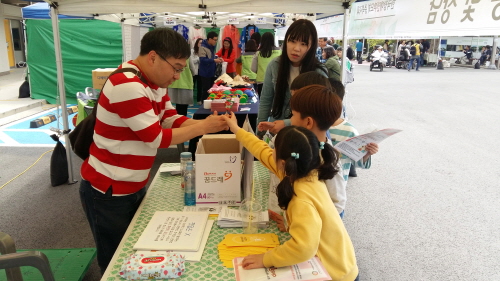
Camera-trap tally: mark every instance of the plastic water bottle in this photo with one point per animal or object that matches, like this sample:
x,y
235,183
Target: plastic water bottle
x,y
185,157
189,187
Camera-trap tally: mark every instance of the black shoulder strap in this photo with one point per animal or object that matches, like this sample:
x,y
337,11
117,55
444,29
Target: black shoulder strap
x,y
120,70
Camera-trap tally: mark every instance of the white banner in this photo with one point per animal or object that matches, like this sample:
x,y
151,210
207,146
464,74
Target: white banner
x,y
330,27
403,18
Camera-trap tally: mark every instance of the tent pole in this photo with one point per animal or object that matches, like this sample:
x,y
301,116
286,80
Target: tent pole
x,y
493,53
344,41
62,92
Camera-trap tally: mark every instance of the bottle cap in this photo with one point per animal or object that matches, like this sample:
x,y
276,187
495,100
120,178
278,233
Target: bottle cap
x,y
186,155
189,165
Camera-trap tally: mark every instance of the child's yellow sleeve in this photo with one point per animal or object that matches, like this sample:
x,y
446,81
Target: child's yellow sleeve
x,y
259,149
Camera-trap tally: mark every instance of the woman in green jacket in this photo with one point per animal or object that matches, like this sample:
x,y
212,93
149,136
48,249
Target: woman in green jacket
x,y
266,52
332,62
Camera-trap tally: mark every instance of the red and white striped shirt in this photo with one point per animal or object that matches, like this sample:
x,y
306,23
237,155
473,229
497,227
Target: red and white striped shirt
x,y
133,121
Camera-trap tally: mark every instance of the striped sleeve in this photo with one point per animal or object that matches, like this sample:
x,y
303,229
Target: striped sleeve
x,y
170,118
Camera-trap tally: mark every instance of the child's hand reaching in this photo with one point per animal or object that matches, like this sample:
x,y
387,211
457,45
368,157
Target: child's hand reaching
x,y
253,261
232,122
371,148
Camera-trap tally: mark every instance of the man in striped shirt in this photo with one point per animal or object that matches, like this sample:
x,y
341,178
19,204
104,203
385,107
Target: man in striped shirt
x,y
134,118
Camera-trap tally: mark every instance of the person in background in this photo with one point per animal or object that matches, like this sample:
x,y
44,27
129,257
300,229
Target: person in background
x,y
468,54
425,49
485,56
257,38
206,71
415,56
340,53
299,56
228,54
359,50
266,52
333,44
401,45
386,46
332,62
319,52
134,118
246,60
181,91
349,53
194,65
303,165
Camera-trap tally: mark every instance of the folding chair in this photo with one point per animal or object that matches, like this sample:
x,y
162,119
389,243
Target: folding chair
x,y
10,260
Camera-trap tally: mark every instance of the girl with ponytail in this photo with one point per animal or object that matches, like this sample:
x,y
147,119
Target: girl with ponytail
x,y
302,163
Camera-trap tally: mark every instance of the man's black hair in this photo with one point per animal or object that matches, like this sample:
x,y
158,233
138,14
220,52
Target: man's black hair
x,y
212,34
165,42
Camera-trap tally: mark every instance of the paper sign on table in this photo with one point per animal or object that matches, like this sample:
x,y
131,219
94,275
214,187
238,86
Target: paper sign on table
x,y
189,256
311,270
354,147
181,231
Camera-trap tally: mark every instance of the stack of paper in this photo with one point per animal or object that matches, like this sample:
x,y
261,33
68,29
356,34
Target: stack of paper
x,y
213,210
178,231
232,218
242,245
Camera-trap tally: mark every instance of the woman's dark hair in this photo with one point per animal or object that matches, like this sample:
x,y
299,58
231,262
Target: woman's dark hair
x,y
256,36
309,78
318,102
166,42
251,46
196,48
337,87
230,49
305,144
266,45
304,31
329,51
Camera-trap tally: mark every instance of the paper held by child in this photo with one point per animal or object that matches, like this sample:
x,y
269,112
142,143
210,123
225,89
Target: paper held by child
x,y
311,270
354,147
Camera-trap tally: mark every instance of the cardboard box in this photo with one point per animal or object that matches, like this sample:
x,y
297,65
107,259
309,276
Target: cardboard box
x,y
224,170
99,76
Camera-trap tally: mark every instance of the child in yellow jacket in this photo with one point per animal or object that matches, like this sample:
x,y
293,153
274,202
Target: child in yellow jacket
x,y
303,195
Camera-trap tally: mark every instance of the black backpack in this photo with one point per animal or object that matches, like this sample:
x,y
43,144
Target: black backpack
x,y
413,50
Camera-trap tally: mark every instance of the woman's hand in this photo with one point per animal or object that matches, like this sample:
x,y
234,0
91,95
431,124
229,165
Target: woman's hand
x,y
264,126
253,261
278,125
232,122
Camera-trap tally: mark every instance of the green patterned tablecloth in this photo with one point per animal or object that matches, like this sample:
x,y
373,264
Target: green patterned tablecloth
x,y
166,194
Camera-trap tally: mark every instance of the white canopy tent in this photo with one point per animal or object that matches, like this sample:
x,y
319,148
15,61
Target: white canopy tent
x,y
76,7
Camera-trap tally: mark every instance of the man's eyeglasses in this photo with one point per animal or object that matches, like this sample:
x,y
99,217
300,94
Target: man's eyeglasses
x,y
176,70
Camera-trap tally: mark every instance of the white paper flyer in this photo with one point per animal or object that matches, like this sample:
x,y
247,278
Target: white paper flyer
x,y
354,147
311,270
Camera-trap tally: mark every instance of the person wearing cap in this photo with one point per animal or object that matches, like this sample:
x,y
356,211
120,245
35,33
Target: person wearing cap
x,y
228,54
